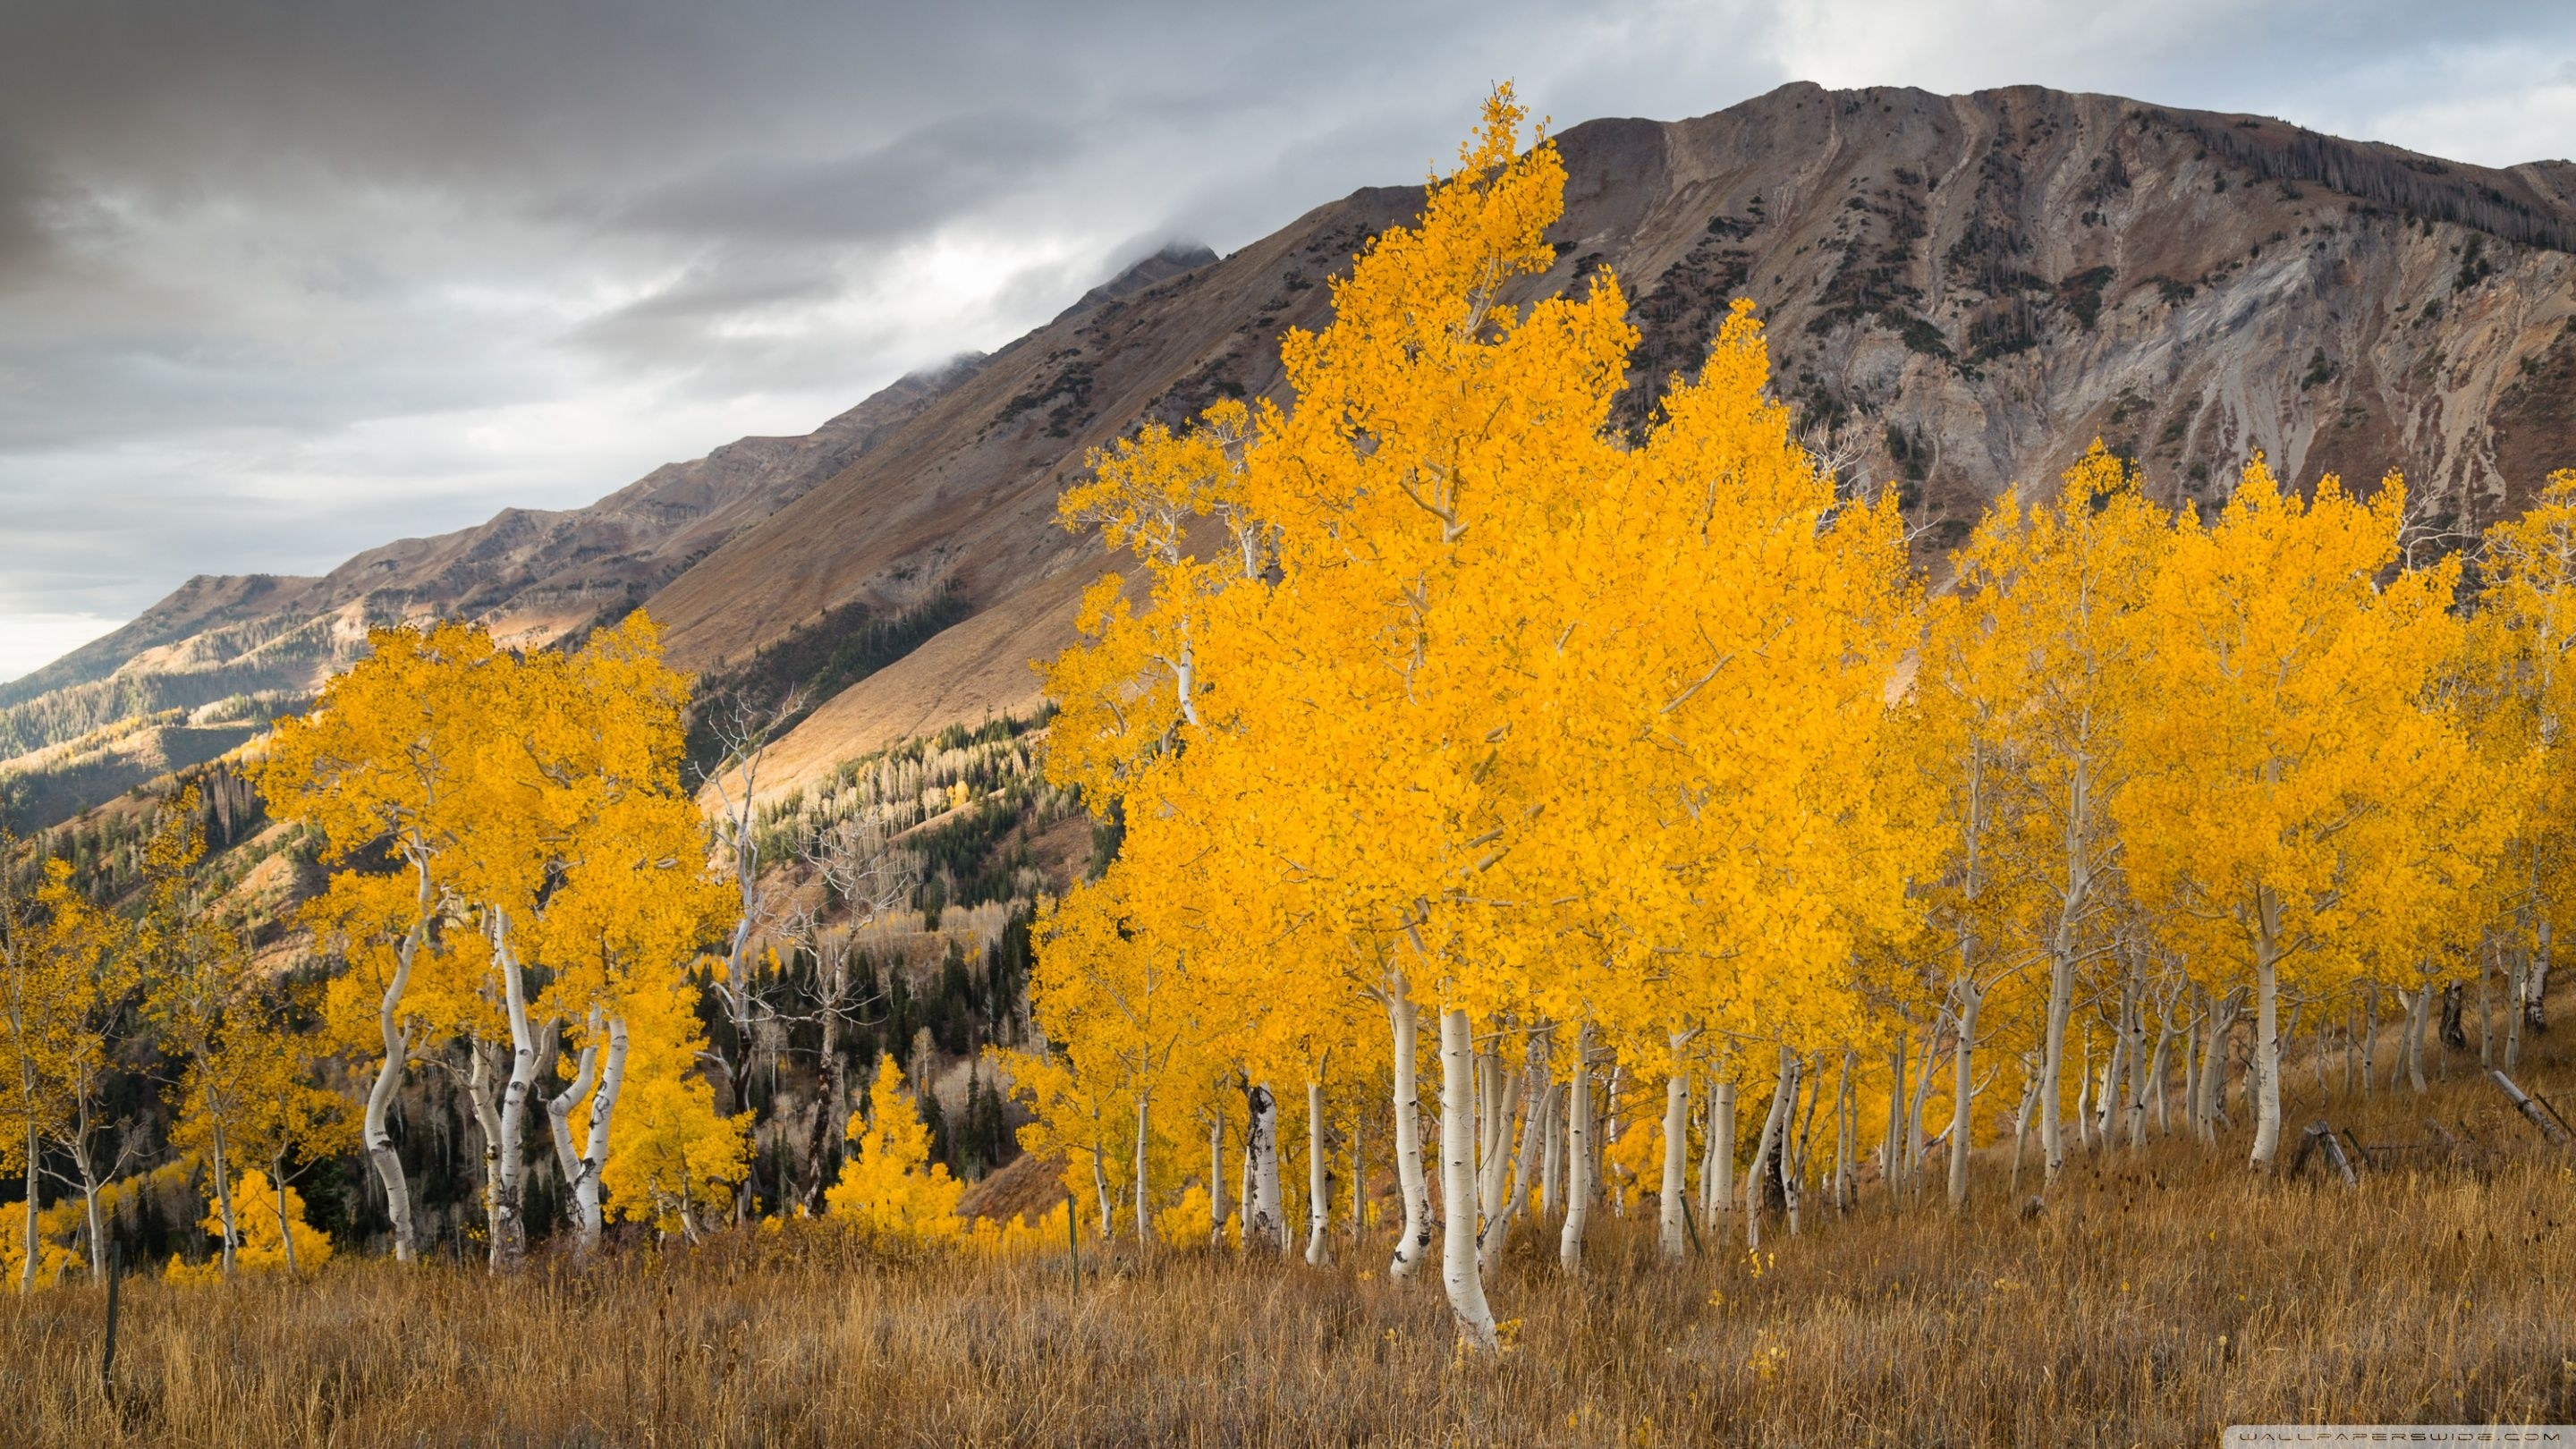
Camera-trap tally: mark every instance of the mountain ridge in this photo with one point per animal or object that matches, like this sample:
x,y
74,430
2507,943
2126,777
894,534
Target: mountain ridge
x,y
1961,292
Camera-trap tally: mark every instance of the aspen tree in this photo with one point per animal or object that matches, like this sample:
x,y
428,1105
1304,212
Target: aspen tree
x,y
382,756
2524,627
2030,677
2304,785
200,977
67,972
890,1187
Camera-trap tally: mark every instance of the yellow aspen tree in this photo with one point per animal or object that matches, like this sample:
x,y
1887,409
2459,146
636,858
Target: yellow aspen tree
x,y
2302,783
383,757
2525,703
67,973
283,1116
268,1235
200,977
889,1187
25,1004
622,932
2030,679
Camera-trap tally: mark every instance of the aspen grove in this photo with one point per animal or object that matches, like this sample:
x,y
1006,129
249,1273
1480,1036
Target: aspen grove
x,y
1537,818
1633,789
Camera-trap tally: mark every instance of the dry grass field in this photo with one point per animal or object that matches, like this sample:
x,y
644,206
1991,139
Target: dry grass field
x,y
2157,1298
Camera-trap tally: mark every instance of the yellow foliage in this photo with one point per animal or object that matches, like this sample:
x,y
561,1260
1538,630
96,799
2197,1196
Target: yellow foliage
x,y
1188,1222
890,1188
260,1233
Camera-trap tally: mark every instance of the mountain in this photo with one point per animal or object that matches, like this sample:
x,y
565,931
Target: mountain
x,y
1962,292
200,671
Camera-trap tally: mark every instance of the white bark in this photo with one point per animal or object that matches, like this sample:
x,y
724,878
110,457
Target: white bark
x,y
27,1260
1144,1189
1606,1138
2370,1039
1319,1193
285,1224
1413,1243
1963,1090
509,1191
1772,1124
1217,1207
1578,1158
374,1130
223,1202
1265,1223
2419,1008
1497,1230
1359,1178
1669,1206
1717,1172
1923,1078
2267,1032
594,1153
487,1118
1551,1160
559,1109
1891,1148
1458,1269
2535,982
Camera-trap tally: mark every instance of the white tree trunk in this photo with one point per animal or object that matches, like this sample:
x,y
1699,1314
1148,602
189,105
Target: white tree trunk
x,y
1144,1188
1923,1079
374,1130
1891,1147
1670,1207
1359,1178
1413,1243
2370,1039
1498,1228
559,1110
1551,1191
223,1202
1769,1143
1717,1171
1319,1190
1963,1082
2052,1069
509,1190
1606,1138
2021,1115
1217,1206
2535,982
1265,1223
2419,1008
27,1261
594,1153
1458,1268
2267,1056
1578,1158
285,1224
487,1119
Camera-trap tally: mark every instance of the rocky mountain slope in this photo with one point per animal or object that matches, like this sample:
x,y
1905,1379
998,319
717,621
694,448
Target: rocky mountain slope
x,y
200,671
1963,291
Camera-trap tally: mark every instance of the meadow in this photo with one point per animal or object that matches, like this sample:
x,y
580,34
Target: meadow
x,y
2157,1296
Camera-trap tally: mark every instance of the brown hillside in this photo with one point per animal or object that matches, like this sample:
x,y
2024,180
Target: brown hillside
x,y
1963,292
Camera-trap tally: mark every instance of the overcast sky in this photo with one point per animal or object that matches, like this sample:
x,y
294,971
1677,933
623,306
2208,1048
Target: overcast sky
x,y
281,281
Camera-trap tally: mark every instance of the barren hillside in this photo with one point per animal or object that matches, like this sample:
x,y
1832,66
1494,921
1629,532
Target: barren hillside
x,y
1963,291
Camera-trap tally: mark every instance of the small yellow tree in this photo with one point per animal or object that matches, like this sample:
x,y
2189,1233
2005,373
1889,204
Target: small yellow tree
x,y
890,1188
269,1228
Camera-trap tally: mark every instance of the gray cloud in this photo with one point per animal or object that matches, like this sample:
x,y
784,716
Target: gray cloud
x,y
279,281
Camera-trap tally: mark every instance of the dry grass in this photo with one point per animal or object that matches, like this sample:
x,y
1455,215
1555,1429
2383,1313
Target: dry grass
x,y
2157,1299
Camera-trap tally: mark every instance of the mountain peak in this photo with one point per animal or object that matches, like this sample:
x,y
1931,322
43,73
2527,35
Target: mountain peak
x,y
1165,263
